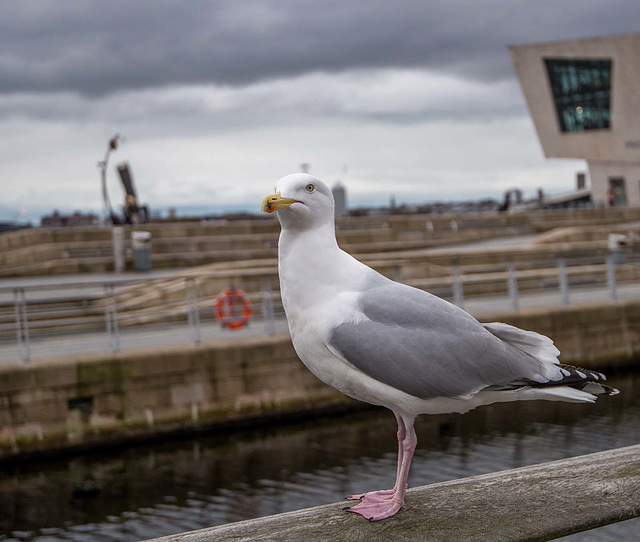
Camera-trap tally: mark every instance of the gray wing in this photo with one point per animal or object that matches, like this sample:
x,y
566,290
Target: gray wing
x,y
427,347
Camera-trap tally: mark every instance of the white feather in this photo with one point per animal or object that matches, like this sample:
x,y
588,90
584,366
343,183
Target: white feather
x,y
537,346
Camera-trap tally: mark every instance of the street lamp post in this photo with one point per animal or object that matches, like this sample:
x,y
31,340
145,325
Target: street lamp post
x,y
112,146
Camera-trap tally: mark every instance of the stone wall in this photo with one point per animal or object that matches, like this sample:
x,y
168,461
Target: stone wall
x,y
57,404
62,403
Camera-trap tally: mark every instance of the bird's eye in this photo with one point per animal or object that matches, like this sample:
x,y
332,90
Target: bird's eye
x,y
310,188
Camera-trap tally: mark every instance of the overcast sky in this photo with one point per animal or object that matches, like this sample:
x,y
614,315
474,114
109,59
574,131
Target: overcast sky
x,y
219,99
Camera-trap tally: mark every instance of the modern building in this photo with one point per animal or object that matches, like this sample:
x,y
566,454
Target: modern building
x,y
340,198
584,98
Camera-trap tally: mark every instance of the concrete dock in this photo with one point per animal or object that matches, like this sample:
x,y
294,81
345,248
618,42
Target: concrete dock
x,y
89,401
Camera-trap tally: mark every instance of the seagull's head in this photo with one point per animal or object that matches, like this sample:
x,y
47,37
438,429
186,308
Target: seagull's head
x,y
302,202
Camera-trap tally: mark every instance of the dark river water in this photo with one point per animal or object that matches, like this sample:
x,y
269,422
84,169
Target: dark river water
x,y
148,491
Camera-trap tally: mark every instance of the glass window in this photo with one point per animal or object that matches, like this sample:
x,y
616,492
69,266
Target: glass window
x,y
582,93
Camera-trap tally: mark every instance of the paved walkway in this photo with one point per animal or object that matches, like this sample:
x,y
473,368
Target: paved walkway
x,y
133,338
70,285
585,295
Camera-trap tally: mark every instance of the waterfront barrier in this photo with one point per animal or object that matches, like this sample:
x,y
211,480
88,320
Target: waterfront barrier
x,y
536,503
48,251
65,404
118,312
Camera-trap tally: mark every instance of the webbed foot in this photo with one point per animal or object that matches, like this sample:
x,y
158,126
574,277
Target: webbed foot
x,y
375,511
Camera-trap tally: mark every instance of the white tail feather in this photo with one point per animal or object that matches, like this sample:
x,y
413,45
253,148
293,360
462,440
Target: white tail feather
x,y
552,393
537,346
559,393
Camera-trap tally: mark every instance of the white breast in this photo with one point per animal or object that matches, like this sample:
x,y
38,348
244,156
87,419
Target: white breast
x,y
320,285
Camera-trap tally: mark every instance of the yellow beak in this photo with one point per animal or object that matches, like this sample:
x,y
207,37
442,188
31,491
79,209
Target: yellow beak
x,y
274,202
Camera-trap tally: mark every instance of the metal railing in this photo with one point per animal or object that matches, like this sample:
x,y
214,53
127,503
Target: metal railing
x,y
601,274
62,318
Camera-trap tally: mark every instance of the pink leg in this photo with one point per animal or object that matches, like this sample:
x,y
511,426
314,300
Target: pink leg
x,y
385,494
381,509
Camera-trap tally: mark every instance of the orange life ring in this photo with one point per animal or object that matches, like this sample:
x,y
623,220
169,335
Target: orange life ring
x,y
226,308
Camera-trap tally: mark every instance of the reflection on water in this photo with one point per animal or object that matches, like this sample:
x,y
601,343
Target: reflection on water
x,y
161,489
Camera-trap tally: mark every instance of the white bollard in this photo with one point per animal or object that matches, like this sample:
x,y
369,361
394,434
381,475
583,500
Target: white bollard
x,y
118,249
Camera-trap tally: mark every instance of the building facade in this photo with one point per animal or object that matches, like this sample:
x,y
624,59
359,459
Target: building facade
x,y
57,220
584,99
340,197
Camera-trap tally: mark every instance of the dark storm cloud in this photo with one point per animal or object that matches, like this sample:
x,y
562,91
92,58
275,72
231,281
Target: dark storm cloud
x,y
100,47
386,97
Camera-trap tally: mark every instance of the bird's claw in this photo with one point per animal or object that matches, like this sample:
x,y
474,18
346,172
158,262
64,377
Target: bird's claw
x,y
374,496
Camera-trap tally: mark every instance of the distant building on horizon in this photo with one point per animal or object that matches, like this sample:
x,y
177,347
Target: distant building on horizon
x,y
584,98
340,197
57,220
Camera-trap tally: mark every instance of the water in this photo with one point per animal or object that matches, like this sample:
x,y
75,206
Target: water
x,y
160,489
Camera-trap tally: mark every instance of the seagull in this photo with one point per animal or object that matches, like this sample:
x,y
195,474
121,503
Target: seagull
x,y
388,344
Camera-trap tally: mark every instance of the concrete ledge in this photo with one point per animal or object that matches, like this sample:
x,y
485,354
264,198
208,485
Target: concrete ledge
x,y
536,503
49,406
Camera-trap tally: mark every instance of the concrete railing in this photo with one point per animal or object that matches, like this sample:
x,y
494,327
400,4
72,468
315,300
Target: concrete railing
x,y
541,502
47,251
